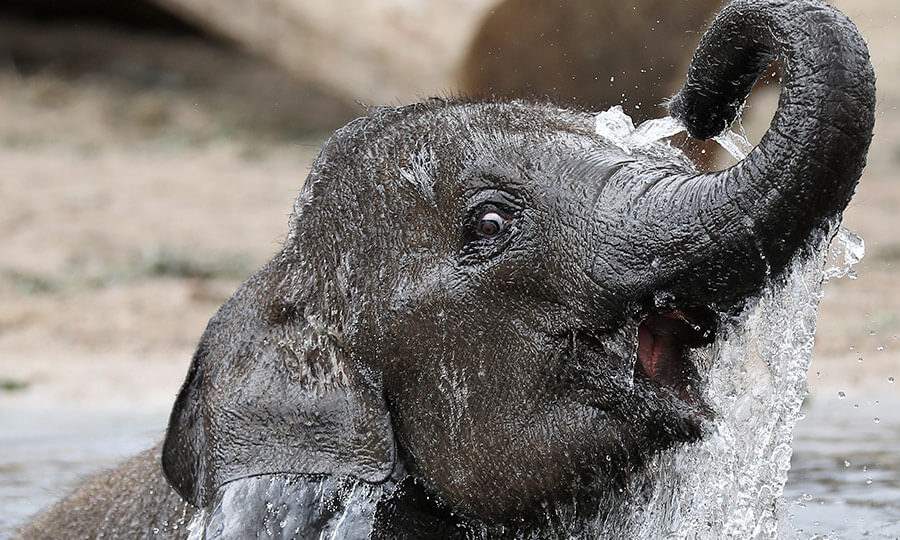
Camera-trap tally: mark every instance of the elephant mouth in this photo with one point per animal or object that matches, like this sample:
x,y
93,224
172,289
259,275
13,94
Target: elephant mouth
x,y
665,341
595,367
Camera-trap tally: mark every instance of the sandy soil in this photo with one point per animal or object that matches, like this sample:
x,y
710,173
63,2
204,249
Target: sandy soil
x,y
131,207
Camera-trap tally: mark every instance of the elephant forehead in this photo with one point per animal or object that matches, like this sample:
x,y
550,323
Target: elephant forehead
x,y
444,170
389,140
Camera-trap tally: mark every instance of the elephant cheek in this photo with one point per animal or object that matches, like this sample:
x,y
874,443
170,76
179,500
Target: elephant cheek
x,y
600,371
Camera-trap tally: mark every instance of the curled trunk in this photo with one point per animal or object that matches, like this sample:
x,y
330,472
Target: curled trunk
x,y
727,231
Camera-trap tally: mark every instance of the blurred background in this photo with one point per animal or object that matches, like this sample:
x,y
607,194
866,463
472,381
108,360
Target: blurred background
x,y
150,151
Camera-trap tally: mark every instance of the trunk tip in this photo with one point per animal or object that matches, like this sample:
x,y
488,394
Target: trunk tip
x,y
704,116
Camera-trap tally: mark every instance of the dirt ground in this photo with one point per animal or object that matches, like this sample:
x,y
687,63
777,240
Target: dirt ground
x,y
134,198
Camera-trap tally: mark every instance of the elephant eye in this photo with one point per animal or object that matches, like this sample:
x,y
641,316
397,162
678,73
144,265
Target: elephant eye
x,y
490,224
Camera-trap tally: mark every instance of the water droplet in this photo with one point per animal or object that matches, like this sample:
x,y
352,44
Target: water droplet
x,y
654,130
735,144
879,348
876,420
841,395
846,249
868,481
891,380
615,126
846,463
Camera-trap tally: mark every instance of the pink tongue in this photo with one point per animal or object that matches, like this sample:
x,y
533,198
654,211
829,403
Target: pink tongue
x,y
645,351
649,352
659,348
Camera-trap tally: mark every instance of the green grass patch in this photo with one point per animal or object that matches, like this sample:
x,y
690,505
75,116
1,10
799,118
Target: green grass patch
x,y
30,283
13,385
166,263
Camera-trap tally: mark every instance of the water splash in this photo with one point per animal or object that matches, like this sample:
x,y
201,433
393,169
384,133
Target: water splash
x,y
847,249
655,130
731,484
616,126
734,143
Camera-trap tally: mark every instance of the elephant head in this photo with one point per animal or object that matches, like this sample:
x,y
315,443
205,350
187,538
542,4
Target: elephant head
x,y
492,299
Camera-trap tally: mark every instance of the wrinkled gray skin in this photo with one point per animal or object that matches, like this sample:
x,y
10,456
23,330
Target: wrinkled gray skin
x,y
399,370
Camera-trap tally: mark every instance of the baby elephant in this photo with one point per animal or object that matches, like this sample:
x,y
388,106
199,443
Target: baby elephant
x,y
481,320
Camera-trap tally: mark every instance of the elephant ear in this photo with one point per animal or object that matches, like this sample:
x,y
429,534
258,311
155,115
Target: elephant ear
x,y
270,391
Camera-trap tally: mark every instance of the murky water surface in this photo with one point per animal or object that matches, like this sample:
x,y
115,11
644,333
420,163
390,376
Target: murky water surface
x,y
43,453
845,473
844,480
